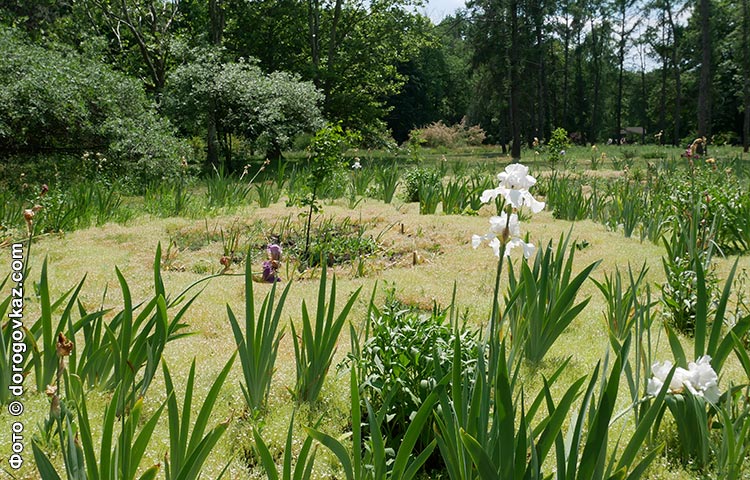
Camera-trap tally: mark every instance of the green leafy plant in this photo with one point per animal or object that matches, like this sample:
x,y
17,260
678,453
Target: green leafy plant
x,y
258,342
429,197
302,469
268,193
583,451
541,302
325,158
565,196
689,248
315,346
5,349
479,433
225,190
623,306
44,331
558,145
388,180
709,335
120,454
403,357
189,451
420,178
369,458
166,199
454,196
128,348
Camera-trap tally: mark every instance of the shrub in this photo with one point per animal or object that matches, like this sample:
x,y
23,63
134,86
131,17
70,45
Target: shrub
x,y
558,144
268,110
417,178
439,134
55,100
403,359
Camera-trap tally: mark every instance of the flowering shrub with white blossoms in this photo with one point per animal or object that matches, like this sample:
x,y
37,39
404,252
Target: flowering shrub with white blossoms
x,y
699,378
505,230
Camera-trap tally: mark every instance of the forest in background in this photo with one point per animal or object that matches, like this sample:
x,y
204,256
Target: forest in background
x,y
148,82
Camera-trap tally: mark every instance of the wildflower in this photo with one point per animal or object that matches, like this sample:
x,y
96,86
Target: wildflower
x,y
63,345
183,162
54,407
226,261
29,215
593,148
271,266
506,231
44,191
699,378
356,165
269,271
515,182
274,252
711,161
562,153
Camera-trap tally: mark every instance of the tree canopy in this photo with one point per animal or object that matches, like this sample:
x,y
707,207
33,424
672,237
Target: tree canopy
x,y
267,71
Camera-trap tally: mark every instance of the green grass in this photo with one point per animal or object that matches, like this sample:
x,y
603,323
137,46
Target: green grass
x,y
442,242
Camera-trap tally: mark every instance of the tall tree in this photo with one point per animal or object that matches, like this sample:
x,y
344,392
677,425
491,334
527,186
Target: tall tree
x,y
746,74
704,90
626,26
676,33
515,80
145,24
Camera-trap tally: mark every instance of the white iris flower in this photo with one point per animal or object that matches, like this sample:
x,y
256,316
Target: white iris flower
x,y
504,228
699,378
514,185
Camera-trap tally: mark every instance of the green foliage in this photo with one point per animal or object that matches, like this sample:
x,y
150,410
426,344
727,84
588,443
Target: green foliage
x,y
326,152
427,179
305,459
127,349
268,110
226,190
541,302
54,99
325,160
315,347
80,205
722,199
189,451
369,459
168,199
710,338
733,416
404,357
689,249
43,334
558,145
258,342
565,195
120,453
5,350
623,304
455,196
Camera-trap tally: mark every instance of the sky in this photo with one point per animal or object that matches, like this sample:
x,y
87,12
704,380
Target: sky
x,y
439,9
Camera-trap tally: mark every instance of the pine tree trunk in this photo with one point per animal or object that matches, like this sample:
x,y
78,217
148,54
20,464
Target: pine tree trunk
x,y
515,82
746,74
704,92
